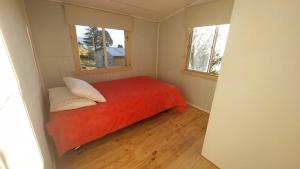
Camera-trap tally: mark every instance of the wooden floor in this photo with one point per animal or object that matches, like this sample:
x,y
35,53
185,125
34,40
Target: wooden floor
x,y
169,140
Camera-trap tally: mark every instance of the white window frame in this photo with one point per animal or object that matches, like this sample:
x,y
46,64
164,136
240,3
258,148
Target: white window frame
x,y
207,75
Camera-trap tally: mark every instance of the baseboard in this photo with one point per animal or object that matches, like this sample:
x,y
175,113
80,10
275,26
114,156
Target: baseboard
x,y
209,161
197,107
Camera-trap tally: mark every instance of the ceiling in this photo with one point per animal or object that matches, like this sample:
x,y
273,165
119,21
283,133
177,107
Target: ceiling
x,y
153,10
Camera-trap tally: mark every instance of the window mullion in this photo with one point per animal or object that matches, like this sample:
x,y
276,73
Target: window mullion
x,y
212,53
104,48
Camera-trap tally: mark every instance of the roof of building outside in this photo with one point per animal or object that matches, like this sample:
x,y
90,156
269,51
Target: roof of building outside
x,y
114,51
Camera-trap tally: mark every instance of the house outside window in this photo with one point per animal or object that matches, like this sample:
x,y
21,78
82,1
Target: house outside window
x,y
99,49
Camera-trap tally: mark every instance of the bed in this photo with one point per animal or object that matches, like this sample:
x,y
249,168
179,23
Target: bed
x,y
128,101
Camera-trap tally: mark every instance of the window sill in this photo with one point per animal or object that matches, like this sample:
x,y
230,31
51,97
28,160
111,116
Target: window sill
x,y
200,74
103,70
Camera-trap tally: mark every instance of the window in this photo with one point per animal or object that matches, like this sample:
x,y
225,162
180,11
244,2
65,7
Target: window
x,y
99,49
206,49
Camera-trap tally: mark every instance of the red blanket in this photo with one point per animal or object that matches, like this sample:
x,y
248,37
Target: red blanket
x,y
128,101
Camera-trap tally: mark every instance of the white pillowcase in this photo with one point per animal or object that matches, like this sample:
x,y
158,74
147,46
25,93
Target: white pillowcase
x,y
83,89
62,99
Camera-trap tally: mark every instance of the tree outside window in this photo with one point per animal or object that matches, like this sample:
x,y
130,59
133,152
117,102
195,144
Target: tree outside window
x,y
207,46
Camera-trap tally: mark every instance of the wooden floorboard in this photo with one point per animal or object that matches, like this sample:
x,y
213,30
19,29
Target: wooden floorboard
x,y
169,140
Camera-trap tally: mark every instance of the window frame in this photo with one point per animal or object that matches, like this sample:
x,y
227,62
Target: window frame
x,y
189,38
109,69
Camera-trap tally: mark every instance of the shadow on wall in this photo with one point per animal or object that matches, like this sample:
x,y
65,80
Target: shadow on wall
x,y
3,164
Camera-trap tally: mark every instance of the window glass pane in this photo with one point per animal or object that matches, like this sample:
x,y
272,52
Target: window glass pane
x,y
115,47
90,45
219,49
200,49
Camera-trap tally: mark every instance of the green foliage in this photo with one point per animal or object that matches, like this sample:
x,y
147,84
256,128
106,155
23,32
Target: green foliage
x,y
94,38
87,62
216,61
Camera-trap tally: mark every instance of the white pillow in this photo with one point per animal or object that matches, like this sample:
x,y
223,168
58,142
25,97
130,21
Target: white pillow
x,y
62,99
83,89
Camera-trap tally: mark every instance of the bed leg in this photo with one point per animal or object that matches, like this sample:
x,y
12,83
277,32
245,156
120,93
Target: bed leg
x,y
77,148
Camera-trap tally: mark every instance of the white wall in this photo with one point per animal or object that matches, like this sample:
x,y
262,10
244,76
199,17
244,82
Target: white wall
x,y
14,26
197,91
254,123
53,45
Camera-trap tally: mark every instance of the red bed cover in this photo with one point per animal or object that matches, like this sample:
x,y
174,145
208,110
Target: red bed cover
x,y
128,101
